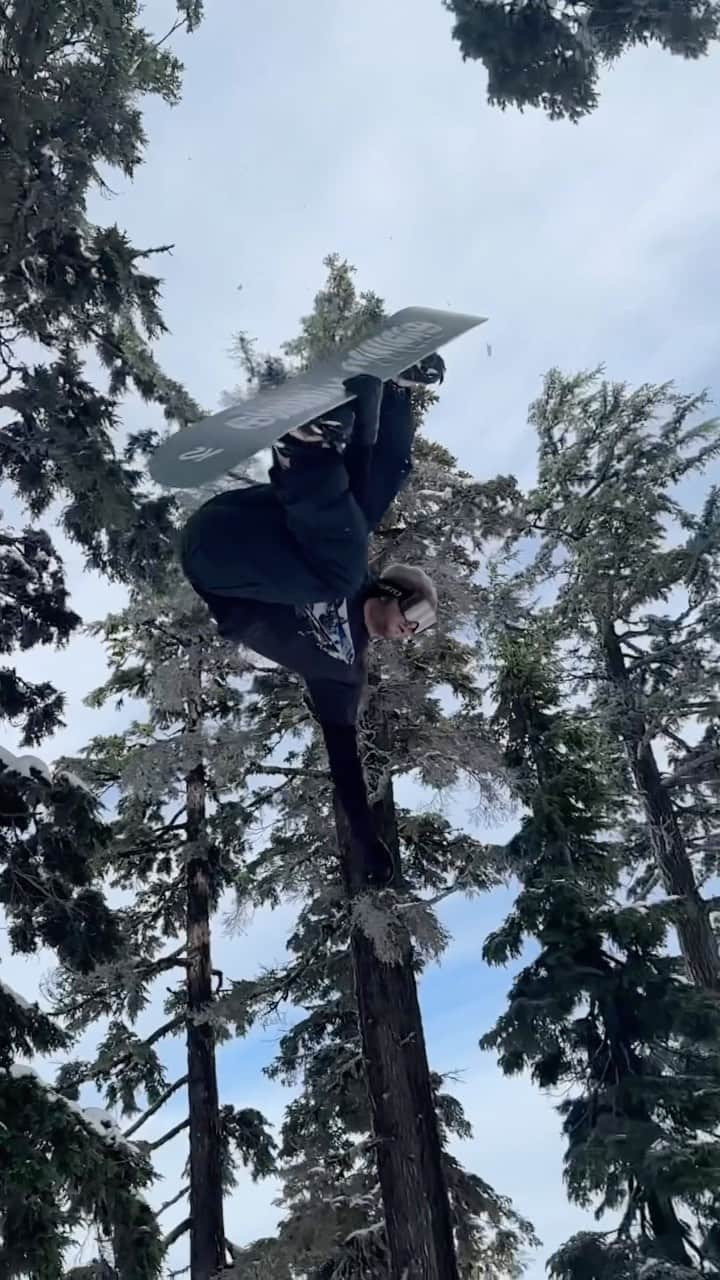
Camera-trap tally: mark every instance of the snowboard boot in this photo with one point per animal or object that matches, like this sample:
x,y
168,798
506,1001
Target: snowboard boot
x,y
426,373
332,432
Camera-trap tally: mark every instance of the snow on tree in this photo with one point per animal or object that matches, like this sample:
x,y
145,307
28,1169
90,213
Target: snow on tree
x,y
603,1015
62,1167
34,611
71,77
333,1213
52,840
634,575
180,833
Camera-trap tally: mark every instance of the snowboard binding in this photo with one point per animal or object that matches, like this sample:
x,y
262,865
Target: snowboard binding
x,y
426,373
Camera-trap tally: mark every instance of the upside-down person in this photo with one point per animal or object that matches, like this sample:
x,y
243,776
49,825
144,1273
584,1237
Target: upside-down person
x,y
283,568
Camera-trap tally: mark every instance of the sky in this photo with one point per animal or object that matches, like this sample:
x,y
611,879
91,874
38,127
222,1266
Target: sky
x,y
324,125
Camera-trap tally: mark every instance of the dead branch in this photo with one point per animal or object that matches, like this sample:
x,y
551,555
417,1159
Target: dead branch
x,y
168,1137
173,1088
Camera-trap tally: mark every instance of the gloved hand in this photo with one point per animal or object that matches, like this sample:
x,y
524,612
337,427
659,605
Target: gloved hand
x,y
347,774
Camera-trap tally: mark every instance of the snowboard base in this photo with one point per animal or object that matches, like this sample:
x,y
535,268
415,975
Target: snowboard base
x,y
214,446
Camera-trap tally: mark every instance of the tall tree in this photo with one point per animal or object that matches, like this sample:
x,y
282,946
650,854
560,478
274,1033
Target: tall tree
x,y
603,1011
634,574
551,55
178,840
61,1166
70,79
70,76
405,729
333,1223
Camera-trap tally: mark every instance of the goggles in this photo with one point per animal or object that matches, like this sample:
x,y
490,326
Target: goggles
x,y
415,609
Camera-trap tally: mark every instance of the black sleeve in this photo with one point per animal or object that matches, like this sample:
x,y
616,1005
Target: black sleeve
x,y
347,775
335,705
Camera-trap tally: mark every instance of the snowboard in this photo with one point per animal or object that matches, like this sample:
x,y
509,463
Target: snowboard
x,y
210,448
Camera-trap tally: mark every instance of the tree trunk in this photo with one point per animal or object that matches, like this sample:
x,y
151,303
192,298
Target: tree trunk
x,y
625,1066
415,1197
698,943
668,1230
207,1235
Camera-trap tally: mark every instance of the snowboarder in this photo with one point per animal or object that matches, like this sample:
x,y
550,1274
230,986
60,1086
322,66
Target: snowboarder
x,y
283,567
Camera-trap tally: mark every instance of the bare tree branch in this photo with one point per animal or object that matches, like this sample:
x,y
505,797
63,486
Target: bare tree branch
x,y
181,22
168,1137
287,770
168,1204
156,1106
175,1234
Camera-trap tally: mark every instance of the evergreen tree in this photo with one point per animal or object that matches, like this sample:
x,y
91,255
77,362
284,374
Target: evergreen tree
x,y
177,843
61,1166
358,953
551,55
633,573
333,1224
35,611
71,76
603,1011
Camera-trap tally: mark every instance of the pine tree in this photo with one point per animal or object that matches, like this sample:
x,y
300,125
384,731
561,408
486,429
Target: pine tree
x,y
70,79
178,842
333,1224
551,56
603,1011
436,1217
71,76
634,576
35,611
61,1165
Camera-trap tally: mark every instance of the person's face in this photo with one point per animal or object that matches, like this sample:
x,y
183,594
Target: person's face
x,y
385,620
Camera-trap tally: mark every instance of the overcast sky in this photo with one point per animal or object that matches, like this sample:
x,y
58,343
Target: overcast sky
x,y
308,126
